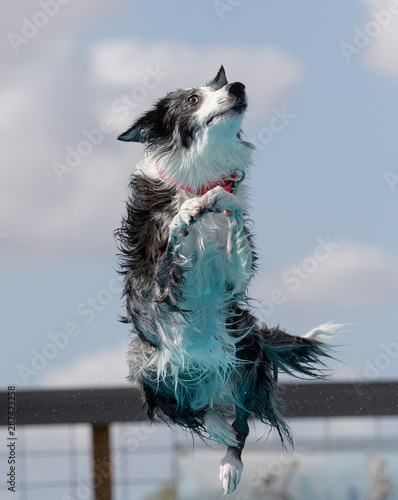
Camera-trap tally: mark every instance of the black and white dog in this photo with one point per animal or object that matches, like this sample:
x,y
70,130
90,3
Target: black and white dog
x,y
200,355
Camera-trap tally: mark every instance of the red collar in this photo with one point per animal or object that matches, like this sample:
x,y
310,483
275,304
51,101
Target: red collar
x,y
230,184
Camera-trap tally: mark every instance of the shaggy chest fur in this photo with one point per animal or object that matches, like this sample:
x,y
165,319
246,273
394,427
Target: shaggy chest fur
x,y
207,354
189,344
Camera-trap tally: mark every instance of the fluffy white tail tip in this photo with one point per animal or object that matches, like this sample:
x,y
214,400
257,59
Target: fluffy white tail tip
x,y
325,332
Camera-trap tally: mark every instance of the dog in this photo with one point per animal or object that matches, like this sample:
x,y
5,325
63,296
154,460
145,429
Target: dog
x,y
187,254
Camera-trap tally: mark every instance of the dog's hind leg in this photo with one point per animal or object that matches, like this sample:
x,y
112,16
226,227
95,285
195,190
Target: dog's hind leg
x,y
219,429
231,465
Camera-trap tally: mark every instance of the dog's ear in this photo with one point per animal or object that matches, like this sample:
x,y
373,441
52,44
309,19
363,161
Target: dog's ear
x,y
134,133
220,80
141,129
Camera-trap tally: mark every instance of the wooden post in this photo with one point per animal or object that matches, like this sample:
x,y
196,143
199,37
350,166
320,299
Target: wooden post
x,y
102,463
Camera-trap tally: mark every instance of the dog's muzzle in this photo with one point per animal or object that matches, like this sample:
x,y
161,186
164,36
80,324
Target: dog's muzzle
x,y
237,89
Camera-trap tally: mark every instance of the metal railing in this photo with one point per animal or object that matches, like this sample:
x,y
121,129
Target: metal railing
x,y
102,407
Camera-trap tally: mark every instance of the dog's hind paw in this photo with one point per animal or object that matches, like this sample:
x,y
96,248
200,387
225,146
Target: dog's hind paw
x,y
219,429
230,471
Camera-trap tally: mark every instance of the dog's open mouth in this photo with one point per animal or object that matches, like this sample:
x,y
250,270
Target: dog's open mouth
x,y
238,108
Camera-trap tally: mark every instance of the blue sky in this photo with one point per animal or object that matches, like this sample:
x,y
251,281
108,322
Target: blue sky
x,y
322,176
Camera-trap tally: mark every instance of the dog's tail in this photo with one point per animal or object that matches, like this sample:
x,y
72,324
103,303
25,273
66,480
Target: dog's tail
x,y
300,356
273,351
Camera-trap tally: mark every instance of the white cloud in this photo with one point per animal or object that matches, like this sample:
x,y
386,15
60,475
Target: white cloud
x,y
351,277
381,30
54,93
268,73
105,368
39,22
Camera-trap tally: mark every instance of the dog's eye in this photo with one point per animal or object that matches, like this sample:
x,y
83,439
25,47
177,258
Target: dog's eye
x,y
194,99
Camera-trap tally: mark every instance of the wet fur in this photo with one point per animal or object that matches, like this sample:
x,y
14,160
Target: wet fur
x,y
198,353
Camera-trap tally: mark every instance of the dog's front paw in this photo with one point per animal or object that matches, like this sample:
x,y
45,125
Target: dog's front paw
x,y
230,471
190,212
218,200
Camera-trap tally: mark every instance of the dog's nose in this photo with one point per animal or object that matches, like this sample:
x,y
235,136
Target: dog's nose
x,y
236,88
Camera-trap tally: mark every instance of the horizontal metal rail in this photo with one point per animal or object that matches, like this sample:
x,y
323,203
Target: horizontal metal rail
x,y
104,406
101,407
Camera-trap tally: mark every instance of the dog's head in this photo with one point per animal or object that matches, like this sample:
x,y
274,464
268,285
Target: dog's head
x,y
181,114
195,127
